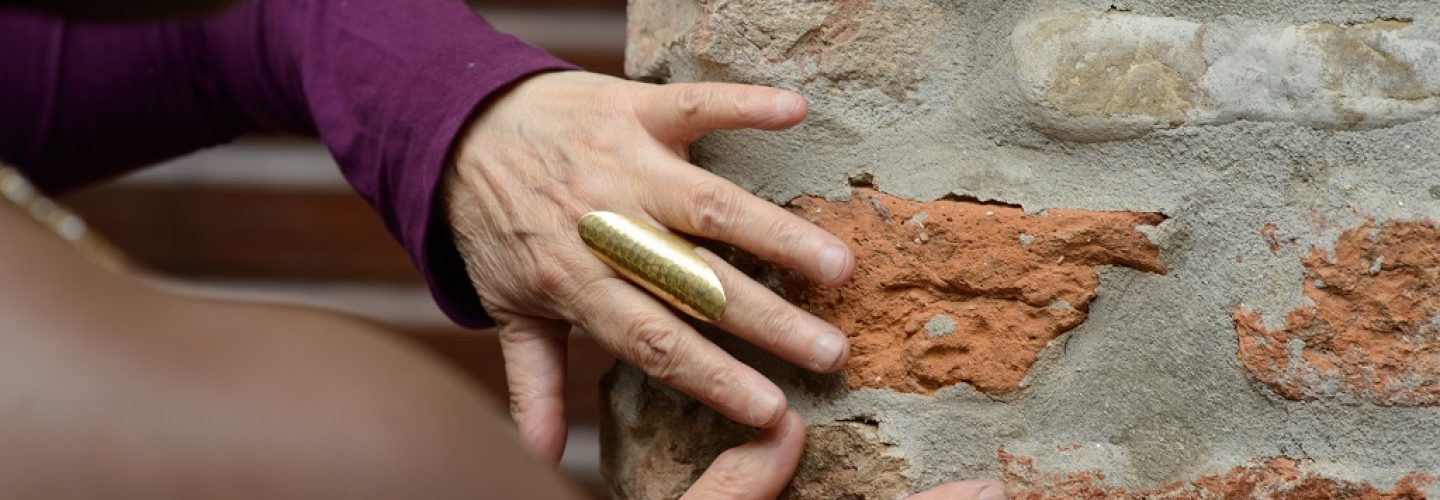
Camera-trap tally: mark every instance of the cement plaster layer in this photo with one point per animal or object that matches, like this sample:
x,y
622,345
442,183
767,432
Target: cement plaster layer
x,y
1149,386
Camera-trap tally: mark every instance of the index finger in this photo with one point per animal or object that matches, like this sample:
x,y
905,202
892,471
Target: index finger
x,y
686,111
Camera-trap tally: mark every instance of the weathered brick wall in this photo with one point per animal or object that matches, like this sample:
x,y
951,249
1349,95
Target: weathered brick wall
x,y
1154,248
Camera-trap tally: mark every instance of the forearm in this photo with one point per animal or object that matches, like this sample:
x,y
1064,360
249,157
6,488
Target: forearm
x,y
386,85
86,101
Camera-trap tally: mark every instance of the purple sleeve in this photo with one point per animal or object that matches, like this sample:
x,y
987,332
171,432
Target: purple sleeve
x,y
386,84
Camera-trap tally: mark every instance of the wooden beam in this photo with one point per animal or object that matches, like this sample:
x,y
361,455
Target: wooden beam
x,y
599,61
246,232
552,4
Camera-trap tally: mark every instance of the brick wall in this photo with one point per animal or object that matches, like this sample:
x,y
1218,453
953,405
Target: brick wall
x,y
1152,248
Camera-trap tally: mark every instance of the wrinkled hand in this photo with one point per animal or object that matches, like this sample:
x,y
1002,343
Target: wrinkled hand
x,y
762,467
559,145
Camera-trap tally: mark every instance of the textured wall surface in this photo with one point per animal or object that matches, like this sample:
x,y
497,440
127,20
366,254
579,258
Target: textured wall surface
x,y
1153,248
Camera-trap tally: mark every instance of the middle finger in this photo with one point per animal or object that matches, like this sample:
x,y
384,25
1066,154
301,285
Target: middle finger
x,y
758,315
691,200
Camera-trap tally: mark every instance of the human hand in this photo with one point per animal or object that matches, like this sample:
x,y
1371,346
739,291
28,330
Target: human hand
x,y
560,145
762,467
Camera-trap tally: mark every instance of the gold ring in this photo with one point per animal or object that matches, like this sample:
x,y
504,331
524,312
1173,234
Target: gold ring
x,y
660,262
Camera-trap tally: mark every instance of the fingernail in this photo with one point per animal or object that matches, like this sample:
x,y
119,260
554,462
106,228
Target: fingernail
x,y
994,493
764,405
826,351
786,103
832,262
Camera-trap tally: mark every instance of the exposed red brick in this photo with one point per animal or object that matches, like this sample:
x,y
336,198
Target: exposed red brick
x,y
1371,333
1006,283
1271,478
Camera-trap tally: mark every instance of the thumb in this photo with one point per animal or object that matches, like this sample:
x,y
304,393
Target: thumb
x,y
534,351
758,469
964,490
683,112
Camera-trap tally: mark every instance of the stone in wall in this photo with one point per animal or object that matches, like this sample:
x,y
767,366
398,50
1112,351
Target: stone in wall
x,y
1115,75
952,291
847,460
1109,75
1373,333
864,44
656,443
1267,478
652,28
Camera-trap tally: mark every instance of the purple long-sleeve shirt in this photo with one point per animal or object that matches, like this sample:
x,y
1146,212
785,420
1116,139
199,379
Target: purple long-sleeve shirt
x,y
386,84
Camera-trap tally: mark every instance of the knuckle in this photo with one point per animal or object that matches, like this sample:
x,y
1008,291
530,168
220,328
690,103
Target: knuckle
x,y
690,100
785,235
655,343
526,402
519,406
719,381
780,323
748,106
714,209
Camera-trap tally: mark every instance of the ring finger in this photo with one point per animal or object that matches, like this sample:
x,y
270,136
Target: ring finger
x,y
639,330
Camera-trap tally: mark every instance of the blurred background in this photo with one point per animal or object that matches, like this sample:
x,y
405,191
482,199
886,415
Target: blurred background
x,y
272,220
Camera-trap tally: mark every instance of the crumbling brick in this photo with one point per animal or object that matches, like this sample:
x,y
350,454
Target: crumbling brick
x,y
993,284
1371,334
1262,478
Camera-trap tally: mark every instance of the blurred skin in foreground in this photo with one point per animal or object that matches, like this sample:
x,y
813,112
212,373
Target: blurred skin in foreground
x,y
110,388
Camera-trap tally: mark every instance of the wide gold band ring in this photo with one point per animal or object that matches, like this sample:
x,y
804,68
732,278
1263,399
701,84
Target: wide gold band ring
x,y
662,263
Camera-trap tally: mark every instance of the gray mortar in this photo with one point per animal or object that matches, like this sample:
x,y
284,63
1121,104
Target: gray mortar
x,y
1149,385
940,325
